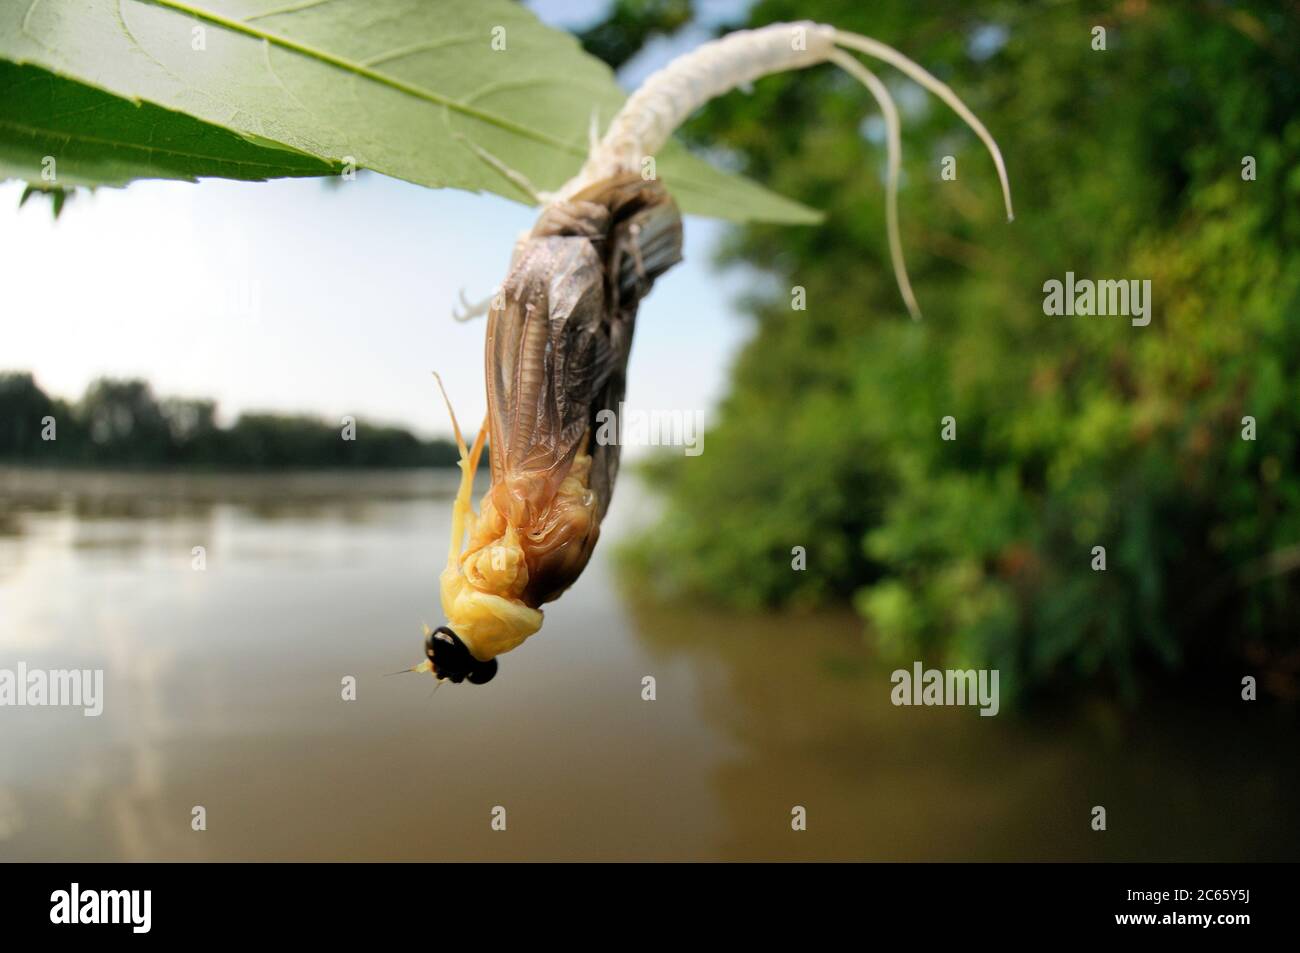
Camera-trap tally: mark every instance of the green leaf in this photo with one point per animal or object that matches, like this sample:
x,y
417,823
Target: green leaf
x,y
54,130
417,89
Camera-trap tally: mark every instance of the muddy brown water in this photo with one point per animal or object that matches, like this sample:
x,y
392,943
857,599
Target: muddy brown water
x,y
223,689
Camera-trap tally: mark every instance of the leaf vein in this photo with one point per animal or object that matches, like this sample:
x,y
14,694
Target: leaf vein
x,y
359,69
424,47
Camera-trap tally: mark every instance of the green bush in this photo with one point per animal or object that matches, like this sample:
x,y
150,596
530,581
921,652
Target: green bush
x,y
1072,432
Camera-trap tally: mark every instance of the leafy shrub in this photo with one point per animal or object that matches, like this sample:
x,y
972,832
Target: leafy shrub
x,y
1072,432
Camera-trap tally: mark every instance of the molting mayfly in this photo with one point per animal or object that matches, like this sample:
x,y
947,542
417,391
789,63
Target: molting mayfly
x,y
560,328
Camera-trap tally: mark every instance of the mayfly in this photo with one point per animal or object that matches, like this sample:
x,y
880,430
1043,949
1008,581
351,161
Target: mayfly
x,y
560,327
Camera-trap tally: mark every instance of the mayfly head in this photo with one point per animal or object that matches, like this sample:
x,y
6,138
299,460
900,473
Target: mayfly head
x,y
450,659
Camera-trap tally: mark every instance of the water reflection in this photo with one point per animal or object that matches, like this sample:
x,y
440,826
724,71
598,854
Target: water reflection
x,y
809,711
224,690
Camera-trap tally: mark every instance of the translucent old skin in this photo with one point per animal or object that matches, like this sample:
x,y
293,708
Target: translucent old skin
x,y
559,334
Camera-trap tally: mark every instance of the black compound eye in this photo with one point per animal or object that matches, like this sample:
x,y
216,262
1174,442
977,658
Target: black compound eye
x,y
483,672
440,642
452,660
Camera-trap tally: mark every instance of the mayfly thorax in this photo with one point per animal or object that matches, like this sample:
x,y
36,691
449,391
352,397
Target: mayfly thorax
x,y
560,328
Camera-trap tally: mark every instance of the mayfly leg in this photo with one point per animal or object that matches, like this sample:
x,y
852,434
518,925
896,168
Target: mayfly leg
x,y
463,511
472,309
517,178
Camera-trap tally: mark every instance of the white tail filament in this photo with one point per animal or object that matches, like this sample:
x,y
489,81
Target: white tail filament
x,y
665,101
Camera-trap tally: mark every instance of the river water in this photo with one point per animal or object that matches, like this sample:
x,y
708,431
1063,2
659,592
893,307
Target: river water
x,y
223,690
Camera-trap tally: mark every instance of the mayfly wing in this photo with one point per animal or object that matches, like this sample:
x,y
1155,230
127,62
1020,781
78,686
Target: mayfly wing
x,y
644,241
554,292
557,352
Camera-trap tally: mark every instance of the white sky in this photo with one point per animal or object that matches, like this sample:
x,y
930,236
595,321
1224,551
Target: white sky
x,y
292,295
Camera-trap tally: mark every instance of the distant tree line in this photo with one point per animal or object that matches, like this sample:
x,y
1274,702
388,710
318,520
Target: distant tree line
x,y
122,423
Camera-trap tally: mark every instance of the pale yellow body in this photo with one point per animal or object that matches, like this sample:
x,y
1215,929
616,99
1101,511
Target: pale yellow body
x,y
481,587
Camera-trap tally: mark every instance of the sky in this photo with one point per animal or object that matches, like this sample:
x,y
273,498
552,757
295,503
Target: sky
x,y
330,298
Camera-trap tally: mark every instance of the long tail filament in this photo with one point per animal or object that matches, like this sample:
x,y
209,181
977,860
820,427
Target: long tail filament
x,y
655,111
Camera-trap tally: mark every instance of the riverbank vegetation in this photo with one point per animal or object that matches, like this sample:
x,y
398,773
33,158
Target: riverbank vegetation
x,y
121,423
1171,155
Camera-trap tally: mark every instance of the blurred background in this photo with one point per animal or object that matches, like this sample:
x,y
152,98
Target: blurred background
x,y
199,347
